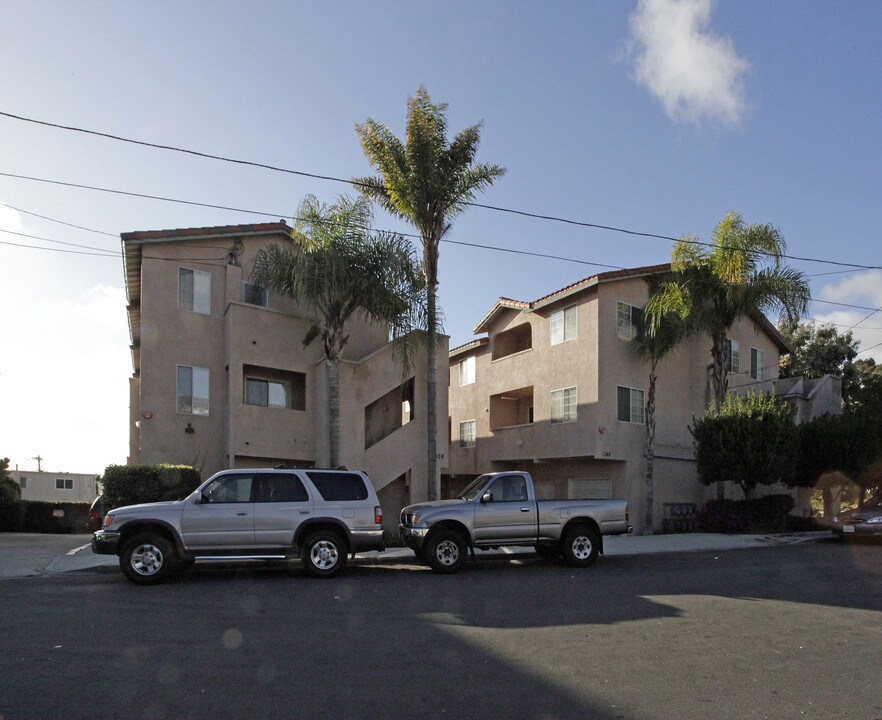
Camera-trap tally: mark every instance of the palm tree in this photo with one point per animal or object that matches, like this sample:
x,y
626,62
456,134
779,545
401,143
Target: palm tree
x,y
656,341
739,274
426,181
338,267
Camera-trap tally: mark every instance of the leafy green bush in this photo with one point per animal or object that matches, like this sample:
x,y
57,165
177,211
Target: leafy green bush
x,y
134,484
765,514
751,441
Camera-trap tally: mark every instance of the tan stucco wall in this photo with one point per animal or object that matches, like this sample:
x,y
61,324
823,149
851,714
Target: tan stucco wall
x,y
597,445
236,334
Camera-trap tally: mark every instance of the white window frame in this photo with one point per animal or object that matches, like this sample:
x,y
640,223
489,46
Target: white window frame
x,y
564,325
757,364
23,482
733,356
467,433
636,405
197,299
626,327
64,484
564,405
467,371
193,404
271,396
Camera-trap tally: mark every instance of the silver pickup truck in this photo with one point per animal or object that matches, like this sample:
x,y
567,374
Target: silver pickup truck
x,y
501,509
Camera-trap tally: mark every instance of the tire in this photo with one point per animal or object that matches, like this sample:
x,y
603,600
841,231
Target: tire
x,y
148,559
549,551
446,552
323,554
580,546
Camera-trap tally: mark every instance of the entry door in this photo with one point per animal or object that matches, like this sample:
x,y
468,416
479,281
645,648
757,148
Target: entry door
x,y
224,518
510,515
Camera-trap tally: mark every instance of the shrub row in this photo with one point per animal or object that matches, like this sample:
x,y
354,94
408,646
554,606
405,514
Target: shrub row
x,y
765,514
45,517
134,484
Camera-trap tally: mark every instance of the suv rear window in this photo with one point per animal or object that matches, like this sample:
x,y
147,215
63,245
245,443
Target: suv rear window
x,y
338,485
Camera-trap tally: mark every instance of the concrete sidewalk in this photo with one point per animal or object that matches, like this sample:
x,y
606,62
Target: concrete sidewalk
x,y
33,555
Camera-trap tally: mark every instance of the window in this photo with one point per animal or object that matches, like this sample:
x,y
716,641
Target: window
x,y
254,295
267,393
563,325
64,483
757,364
467,434
194,291
192,390
280,487
733,356
629,321
23,482
467,371
509,488
630,402
233,488
336,486
563,405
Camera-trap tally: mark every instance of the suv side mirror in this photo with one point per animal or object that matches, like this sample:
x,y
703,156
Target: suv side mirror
x,y
487,497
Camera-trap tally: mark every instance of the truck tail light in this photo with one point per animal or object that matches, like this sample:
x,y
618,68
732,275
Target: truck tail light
x,y
378,515
626,515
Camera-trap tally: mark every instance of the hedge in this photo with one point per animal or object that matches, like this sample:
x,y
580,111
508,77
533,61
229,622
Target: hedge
x,y
134,484
765,514
38,516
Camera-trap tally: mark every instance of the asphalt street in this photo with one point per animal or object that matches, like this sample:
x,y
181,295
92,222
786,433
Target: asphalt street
x,y
778,631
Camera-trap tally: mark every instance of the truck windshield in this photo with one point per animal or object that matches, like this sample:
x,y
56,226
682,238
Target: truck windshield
x,y
471,492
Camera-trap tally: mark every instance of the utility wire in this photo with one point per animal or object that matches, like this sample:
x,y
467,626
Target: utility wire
x,y
356,183
57,242
60,222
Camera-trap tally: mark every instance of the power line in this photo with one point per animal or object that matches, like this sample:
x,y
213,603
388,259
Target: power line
x,y
301,173
59,250
60,222
58,242
268,214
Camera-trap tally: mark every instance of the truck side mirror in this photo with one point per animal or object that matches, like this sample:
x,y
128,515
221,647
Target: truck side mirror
x,y
487,497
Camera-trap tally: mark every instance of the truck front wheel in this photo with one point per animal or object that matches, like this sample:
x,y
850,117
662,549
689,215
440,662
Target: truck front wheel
x,y
148,559
446,551
580,546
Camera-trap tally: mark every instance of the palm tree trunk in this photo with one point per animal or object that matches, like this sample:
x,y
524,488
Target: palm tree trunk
x,y
718,353
650,454
333,366
431,390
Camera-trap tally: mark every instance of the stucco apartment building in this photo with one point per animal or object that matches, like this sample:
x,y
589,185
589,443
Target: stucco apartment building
x,y
222,379
554,387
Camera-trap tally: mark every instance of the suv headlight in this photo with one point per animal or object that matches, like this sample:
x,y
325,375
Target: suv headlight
x,y
107,520
876,520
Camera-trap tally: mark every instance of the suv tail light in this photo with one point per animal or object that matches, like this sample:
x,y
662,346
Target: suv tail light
x,y
378,515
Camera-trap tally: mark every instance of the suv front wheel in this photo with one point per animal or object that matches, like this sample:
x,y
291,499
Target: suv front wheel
x,y
323,554
147,559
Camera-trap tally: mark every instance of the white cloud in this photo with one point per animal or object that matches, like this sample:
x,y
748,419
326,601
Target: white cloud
x,y
864,289
694,73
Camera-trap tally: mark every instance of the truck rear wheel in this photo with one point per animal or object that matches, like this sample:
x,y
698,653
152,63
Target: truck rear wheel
x,y
580,546
323,554
446,551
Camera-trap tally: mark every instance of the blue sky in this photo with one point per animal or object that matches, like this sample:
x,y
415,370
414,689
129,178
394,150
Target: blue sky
x,y
656,117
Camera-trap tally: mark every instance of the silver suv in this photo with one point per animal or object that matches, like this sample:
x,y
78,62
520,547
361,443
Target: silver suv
x,y
319,515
